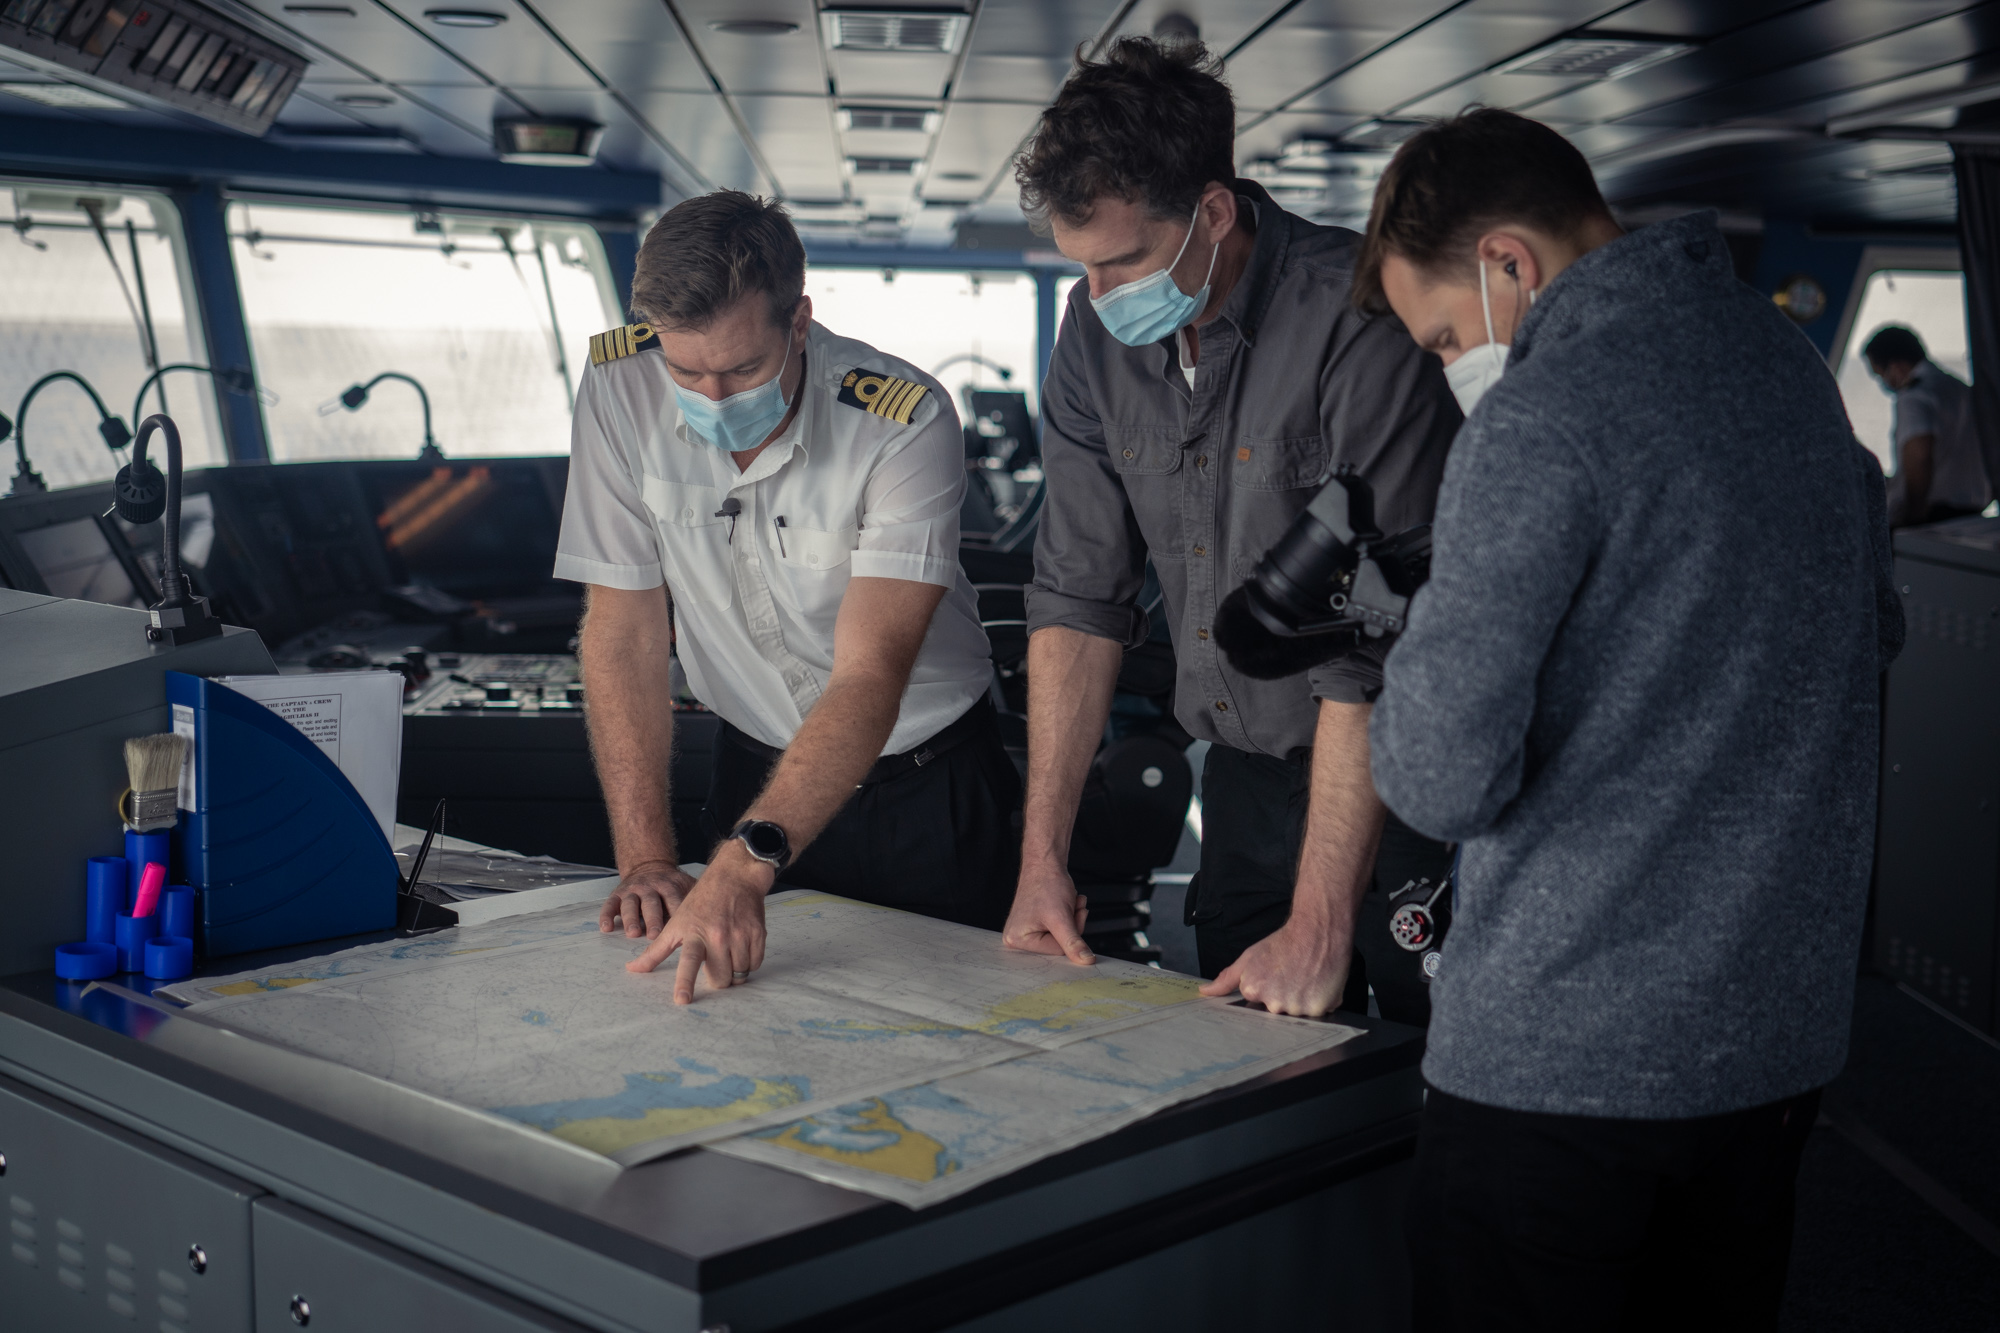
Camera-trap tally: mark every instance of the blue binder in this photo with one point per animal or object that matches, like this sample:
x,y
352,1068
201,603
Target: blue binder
x,y
282,847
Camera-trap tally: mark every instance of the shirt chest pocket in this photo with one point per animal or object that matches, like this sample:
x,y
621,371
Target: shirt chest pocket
x,y
1143,451
694,541
1270,464
814,549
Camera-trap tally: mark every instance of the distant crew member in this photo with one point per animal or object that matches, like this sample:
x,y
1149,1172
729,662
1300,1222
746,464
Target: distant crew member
x,y
1210,376
1641,690
779,505
1939,471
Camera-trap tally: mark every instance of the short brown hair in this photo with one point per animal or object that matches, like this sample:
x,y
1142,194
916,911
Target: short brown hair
x,y
705,254
1457,179
1149,123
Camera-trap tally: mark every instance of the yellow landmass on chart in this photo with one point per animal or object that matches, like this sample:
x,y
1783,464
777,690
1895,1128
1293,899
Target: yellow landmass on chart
x,y
909,1154
1062,1005
610,1134
257,984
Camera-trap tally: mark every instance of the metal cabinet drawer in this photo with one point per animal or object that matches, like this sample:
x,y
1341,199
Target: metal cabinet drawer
x,y
106,1230
332,1279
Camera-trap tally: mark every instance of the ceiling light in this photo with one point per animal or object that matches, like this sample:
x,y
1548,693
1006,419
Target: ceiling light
x,y
881,166
465,18
65,95
918,31
910,119
547,142
364,101
1595,57
322,11
754,27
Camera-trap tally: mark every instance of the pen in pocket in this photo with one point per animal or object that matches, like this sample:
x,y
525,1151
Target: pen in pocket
x,y
780,522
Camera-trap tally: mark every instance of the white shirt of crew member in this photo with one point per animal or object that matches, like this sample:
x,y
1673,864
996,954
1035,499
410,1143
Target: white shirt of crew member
x,y
861,495
1936,403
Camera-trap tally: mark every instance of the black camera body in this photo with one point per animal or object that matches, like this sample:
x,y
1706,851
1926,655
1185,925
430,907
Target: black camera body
x,y
1329,584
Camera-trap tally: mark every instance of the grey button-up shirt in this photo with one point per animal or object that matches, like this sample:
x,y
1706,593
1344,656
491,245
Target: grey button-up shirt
x,y
1292,382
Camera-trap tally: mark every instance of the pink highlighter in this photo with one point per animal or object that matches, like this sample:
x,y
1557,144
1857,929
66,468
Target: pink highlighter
x,y
151,880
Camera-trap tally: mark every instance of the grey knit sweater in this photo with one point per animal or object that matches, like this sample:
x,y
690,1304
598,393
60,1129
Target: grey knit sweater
x,y
1641,688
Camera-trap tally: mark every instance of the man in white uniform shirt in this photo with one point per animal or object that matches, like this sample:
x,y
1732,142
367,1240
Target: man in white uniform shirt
x,y
1940,473
779,505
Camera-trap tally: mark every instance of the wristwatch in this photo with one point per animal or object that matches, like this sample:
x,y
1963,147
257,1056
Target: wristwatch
x,y
765,841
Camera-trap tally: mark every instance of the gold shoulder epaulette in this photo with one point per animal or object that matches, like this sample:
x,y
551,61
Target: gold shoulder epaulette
x,y
615,343
884,395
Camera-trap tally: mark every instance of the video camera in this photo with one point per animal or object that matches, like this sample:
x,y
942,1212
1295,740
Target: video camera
x,y
1330,583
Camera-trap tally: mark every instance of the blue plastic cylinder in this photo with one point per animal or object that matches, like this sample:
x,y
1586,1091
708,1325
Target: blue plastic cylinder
x,y
139,849
169,958
133,932
177,912
107,885
85,961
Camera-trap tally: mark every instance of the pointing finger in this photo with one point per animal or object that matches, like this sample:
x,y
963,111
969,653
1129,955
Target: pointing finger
x,y
684,976
656,953
1224,984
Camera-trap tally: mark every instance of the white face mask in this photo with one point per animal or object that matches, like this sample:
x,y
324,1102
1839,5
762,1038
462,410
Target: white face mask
x,y
1479,368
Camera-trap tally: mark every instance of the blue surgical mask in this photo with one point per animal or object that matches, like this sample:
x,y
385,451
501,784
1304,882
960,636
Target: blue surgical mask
x,y
1148,309
740,421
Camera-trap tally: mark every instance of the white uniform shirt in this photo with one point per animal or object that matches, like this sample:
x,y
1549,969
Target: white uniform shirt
x,y
1937,404
861,496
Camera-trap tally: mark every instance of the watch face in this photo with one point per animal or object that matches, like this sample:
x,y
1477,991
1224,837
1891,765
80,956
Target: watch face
x,y
765,839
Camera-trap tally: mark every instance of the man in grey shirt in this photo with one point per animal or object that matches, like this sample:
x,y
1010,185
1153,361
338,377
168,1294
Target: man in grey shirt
x,y
1209,377
1939,472
1641,688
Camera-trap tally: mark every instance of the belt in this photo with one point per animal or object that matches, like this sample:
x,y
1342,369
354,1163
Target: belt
x,y
970,723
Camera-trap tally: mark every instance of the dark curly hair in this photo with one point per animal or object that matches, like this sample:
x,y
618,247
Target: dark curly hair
x,y
1148,123
707,253
1456,179
1894,344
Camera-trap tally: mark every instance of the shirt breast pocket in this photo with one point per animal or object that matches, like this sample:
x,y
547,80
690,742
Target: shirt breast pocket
x,y
694,542
1143,451
1272,464
812,549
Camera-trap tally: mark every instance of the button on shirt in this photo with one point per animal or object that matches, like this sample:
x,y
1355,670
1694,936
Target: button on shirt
x,y
860,494
1938,404
1204,478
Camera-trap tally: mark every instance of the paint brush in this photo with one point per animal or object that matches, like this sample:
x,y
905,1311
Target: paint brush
x,y
153,764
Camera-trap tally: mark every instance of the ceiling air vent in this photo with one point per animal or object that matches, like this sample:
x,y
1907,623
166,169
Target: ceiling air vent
x,y
920,31
906,119
881,166
1596,57
172,54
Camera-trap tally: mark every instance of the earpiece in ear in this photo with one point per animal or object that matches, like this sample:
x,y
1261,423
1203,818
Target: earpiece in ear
x,y
1511,270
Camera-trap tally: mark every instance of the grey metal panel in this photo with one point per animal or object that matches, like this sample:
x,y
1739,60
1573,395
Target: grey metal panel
x,y
517,52
976,137
342,1281
371,39
1939,862
1274,131
102,1227
1296,54
759,62
797,137
890,73
1033,79
636,48
699,127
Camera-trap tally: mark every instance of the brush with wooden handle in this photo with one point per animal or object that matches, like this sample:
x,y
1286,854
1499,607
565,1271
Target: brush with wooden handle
x,y
153,763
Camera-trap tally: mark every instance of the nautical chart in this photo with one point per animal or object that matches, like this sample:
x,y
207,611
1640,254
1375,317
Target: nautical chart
x,y
862,1022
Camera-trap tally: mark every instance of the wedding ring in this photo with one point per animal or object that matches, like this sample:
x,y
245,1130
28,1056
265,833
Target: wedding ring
x,y
739,976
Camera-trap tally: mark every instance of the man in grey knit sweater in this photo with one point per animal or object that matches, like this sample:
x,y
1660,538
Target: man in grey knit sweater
x,y
1641,690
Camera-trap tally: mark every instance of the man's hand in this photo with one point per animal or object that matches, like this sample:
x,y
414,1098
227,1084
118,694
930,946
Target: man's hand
x,y
1299,969
720,924
1048,916
644,899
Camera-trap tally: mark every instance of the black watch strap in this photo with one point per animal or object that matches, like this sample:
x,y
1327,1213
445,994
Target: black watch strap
x,y
765,841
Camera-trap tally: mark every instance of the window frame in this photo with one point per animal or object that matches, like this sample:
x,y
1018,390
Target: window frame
x,y
1893,258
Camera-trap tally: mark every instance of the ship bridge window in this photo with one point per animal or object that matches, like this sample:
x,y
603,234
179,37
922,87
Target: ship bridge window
x,y
960,326
1930,301
492,315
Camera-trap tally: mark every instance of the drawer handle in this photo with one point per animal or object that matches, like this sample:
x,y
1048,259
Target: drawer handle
x,y
302,1311
197,1258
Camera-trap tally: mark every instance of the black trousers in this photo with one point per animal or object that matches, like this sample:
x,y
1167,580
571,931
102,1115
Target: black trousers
x,y
1573,1224
1253,817
942,839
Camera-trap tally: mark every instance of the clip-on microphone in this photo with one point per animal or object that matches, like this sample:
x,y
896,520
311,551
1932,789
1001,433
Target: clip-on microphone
x,y
141,495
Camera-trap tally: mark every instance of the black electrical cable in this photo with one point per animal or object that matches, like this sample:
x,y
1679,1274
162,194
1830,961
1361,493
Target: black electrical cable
x,y
26,479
